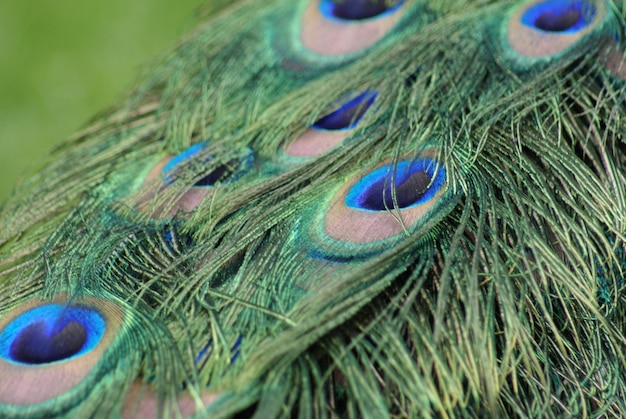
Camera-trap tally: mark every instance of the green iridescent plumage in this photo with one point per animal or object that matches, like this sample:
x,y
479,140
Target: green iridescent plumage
x,y
453,245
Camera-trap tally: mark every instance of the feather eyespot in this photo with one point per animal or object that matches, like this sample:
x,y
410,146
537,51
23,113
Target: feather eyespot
x,y
348,114
404,185
52,333
193,174
384,203
559,16
334,28
358,9
53,346
188,160
542,30
331,129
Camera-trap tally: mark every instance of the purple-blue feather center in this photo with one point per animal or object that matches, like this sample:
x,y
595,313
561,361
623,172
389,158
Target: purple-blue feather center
x,y
347,115
358,9
51,333
412,183
562,16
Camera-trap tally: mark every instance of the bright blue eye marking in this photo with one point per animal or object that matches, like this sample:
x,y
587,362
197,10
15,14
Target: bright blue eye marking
x,y
358,9
562,16
348,115
227,172
191,152
50,333
416,182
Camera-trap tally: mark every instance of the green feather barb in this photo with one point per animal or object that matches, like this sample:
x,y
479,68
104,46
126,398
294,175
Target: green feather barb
x,y
453,246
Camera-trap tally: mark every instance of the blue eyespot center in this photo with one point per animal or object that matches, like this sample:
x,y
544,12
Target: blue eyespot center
x,y
562,16
358,9
38,345
404,185
188,160
51,333
348,115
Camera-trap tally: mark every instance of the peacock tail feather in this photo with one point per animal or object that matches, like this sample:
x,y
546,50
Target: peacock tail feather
x,y
316,208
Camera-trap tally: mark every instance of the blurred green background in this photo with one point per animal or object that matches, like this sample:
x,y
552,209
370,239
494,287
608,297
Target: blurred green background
x,y
61,61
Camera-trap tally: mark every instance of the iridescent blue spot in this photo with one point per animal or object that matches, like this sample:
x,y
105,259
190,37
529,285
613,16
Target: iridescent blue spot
x,y
51,333
178,159
224,173
562,16
175,241
414,182
235,350
358,9
347,116
204,351
207,350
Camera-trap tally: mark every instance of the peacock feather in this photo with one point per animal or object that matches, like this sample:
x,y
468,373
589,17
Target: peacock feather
x,y
324,208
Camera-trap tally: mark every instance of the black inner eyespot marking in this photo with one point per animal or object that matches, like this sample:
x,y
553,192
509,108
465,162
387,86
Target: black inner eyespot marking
x,y
35,345
358,9
379,196
557,22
